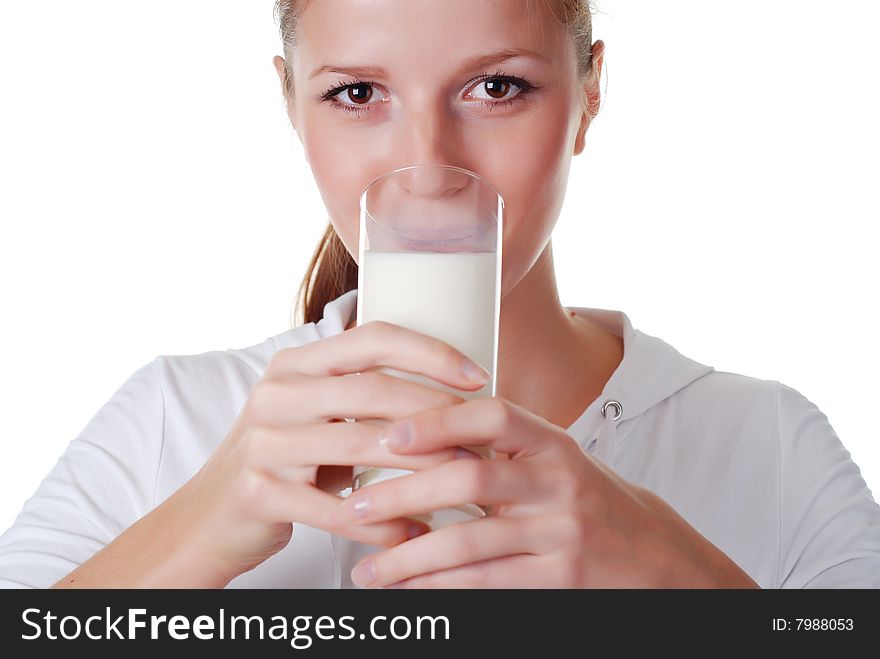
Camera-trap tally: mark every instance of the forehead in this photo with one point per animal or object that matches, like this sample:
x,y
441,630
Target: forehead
x,y
406,34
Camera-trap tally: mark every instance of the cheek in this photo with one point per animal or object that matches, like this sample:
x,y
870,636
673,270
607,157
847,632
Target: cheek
x,y
533,182
341,172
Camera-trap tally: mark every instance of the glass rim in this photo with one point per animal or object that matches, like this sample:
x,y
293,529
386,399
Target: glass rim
x,y
483,179
363,200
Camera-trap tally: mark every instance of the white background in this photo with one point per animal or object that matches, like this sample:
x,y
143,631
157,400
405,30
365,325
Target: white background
x,y
154,199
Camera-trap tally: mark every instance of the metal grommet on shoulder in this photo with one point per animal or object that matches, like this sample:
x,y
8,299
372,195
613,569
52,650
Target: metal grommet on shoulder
x,y
618,411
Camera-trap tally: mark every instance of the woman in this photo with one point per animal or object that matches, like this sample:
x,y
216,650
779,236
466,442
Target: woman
x,y
620,461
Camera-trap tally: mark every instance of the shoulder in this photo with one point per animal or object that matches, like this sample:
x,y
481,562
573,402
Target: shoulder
x,y
232,367
734,388
769,421
724,402
787,413
246,365
745,405
249,363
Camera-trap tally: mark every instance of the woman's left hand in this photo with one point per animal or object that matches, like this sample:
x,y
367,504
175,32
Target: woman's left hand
x,y
559,518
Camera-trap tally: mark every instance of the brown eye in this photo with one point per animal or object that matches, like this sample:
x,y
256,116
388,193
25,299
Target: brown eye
x,y
361,93
497,88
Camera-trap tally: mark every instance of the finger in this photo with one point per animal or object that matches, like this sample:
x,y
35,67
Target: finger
x,y
298,450
372,394
453,483
273,501
452,546
377,343
494,422
518,571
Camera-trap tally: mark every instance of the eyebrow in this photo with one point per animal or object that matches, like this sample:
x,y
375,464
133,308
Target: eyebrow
x,y
480,61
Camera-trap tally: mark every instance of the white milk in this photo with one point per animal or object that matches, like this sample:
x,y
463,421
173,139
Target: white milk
x,y
449,296
452,297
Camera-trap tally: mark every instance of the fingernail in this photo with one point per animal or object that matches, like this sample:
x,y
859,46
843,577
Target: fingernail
x,y
474,372
364,573
397,436
359,504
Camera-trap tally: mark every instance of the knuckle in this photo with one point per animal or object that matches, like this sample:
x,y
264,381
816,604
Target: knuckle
x,y
477,479
321,398
253,490
262,397
333,523
571,532
279,359
355,440
376,381
375,386
498,413
392,495
534,479
375,329
253,444
324,394
568,487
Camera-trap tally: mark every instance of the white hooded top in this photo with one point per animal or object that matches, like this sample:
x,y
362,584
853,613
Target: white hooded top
x,y
752,464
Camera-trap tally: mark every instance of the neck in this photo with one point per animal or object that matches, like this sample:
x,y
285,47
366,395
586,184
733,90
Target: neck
x,y
549,361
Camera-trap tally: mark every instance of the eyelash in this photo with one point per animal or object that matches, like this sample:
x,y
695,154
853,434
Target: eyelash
x,y
525,88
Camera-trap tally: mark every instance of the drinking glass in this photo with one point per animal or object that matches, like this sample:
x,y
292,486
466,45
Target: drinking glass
x,y
429,260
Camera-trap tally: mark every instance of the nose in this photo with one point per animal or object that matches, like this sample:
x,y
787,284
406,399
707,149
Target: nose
x,y
432,182
430,139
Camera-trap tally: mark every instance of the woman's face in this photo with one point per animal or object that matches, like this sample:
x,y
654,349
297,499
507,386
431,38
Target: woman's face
x,y
429,101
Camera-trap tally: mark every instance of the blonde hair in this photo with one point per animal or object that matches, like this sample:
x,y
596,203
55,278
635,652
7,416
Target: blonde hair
x,y
332,271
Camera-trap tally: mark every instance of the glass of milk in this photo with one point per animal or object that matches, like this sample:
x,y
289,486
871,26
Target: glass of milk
x,y
430,261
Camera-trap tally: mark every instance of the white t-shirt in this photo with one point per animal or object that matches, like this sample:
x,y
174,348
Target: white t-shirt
x,y
751,464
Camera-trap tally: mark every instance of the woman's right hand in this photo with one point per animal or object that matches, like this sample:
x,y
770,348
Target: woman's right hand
x,y
286,455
